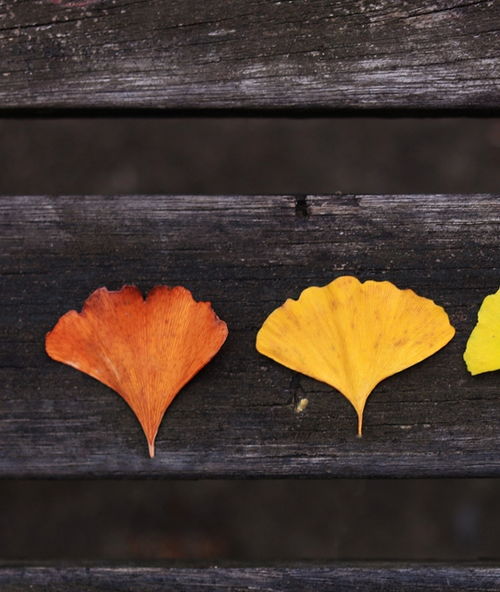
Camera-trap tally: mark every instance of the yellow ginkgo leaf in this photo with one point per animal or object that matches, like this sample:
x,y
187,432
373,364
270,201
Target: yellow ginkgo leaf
x,y
353,335
482,353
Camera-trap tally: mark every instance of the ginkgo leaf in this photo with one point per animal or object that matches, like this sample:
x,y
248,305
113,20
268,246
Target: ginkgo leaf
x,y
145,350
352,335
482,353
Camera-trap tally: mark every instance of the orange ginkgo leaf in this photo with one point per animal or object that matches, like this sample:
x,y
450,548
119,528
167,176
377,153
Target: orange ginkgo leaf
x,y
352,335
145,350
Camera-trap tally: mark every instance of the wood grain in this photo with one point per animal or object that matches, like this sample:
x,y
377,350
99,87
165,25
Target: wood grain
x,y
339,577
246,255
250,54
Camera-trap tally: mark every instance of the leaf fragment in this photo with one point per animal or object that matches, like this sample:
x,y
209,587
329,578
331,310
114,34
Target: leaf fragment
x,y
482,353
144,349
352,335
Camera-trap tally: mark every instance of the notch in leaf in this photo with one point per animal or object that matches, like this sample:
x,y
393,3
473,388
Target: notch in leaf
x,y
482,353
352,335
145,350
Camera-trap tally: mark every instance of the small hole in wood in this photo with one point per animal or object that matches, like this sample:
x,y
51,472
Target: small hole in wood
x,y
301,207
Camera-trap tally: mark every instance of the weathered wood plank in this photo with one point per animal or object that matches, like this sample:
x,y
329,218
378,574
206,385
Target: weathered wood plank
x,y
339,577
246,255
249,54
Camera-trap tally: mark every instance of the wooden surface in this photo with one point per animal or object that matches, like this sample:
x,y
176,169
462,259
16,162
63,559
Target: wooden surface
x,y
249,54
338,577
246,255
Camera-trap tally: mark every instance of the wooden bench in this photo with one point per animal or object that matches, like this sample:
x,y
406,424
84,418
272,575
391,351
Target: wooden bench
x,y
246,254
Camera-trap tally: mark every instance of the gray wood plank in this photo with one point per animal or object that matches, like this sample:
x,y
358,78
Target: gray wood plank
x,y
249,54
246,255
339,577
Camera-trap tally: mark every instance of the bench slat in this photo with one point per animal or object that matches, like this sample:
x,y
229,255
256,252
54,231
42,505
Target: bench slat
x,y
249,54
246,255
341,577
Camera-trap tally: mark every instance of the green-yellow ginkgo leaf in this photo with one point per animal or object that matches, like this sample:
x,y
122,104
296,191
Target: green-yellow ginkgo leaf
x,y
482,353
